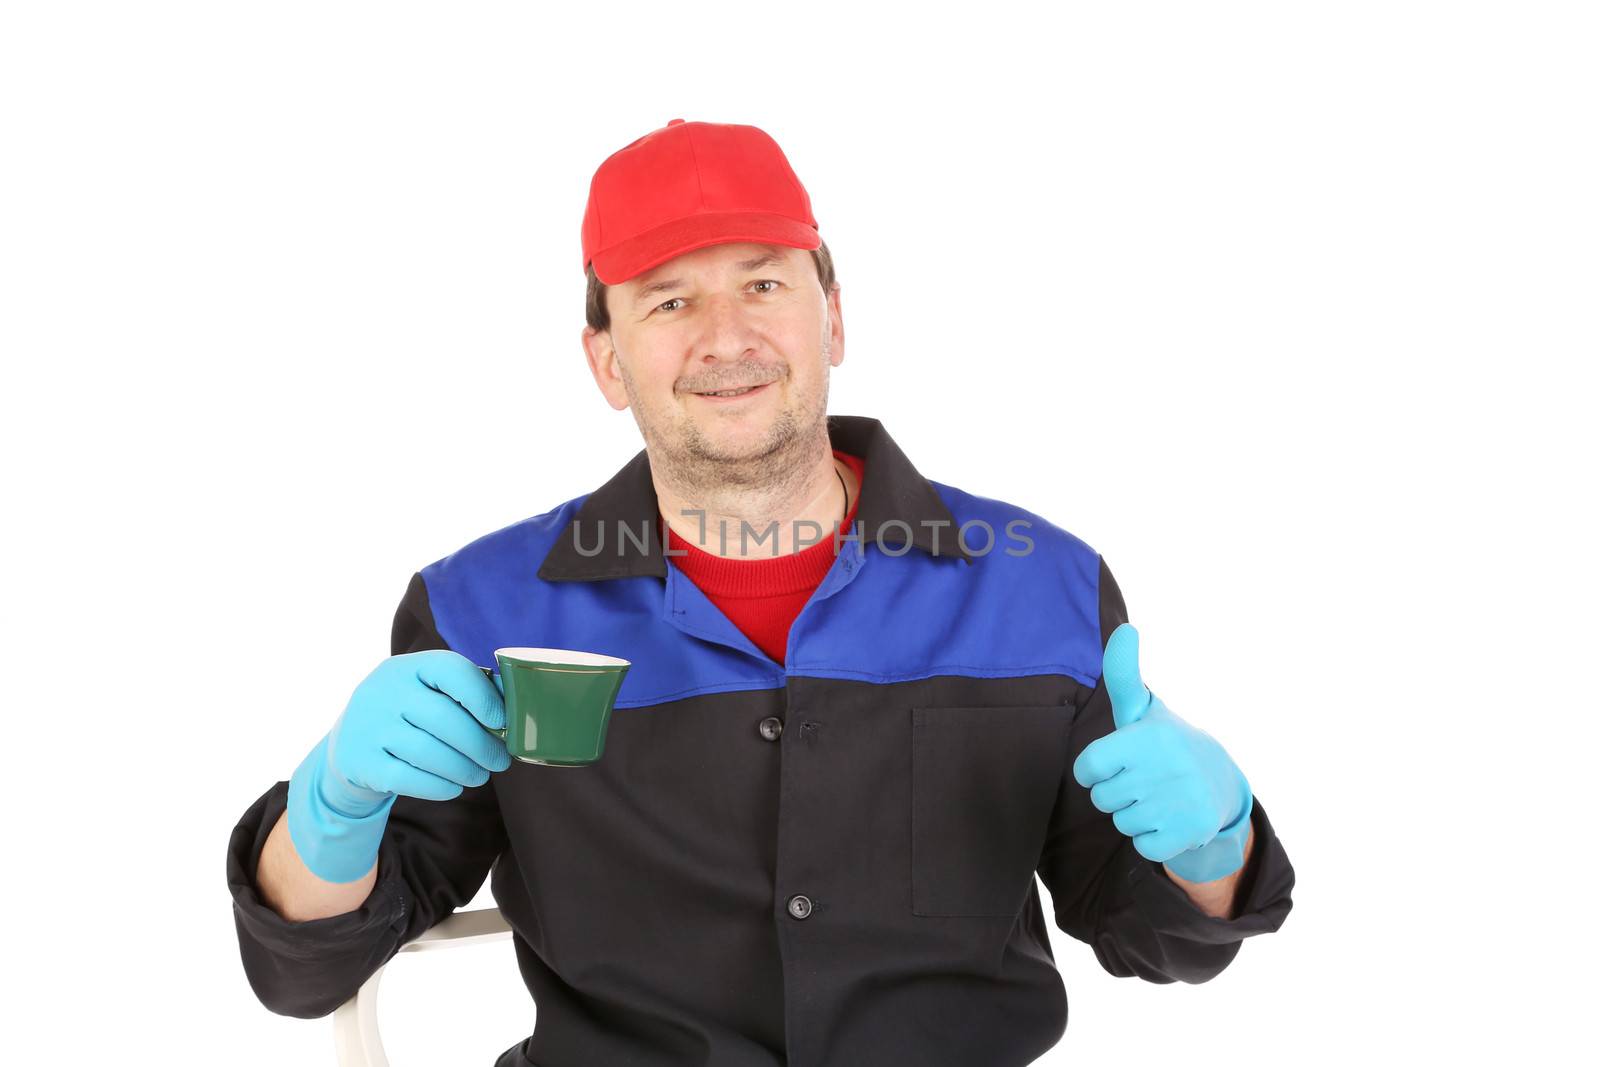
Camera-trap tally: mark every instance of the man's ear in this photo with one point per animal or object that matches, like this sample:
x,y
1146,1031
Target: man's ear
x,y
835,328
602,357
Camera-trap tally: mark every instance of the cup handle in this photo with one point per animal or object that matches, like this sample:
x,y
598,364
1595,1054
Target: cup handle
x,y
488,672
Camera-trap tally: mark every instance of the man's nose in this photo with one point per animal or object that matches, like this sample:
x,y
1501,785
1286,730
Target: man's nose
x,y
727,331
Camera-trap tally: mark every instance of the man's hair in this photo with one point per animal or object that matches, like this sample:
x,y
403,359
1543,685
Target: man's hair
x,y
599,317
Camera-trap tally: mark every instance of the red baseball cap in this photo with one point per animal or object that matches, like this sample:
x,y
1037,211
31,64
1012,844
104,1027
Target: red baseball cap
x,y
686,186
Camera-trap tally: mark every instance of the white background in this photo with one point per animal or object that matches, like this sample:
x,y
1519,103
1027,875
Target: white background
x,y
1287,309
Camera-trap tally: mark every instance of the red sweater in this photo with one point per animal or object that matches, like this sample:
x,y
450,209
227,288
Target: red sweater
x,y
763,594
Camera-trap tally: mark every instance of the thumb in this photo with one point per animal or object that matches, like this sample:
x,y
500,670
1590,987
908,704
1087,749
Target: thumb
x,y
1129,697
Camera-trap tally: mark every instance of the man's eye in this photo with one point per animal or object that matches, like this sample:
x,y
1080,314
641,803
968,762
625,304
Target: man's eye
x,y
663,306
767,281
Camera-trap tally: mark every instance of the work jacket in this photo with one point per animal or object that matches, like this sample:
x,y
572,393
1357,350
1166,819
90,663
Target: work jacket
x,y
827,862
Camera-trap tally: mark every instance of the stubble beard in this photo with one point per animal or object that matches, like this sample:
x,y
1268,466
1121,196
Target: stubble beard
x,y
701,469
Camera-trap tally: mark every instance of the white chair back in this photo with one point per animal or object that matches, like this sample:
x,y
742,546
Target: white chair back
x,y
355,1022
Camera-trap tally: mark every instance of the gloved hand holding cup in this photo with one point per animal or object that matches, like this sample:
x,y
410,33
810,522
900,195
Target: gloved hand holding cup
x,y
418,725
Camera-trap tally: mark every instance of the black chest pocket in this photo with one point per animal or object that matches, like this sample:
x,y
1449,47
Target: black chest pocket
x,y
983,784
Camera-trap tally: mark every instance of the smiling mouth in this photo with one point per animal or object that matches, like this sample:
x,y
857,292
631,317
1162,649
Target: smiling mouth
x,y
729,393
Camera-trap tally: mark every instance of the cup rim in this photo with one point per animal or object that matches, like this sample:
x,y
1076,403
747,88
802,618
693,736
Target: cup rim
x,y
566,657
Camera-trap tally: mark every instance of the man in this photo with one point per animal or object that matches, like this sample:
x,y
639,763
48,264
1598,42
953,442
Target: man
x,y
856,726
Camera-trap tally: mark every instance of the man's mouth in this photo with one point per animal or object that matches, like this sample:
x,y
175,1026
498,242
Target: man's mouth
x,y
728,393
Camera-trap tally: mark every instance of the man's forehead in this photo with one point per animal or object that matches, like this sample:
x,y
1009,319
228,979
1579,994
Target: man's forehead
x,y
751,256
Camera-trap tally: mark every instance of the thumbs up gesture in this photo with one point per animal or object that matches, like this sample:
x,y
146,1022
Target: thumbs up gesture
x,y
1165,784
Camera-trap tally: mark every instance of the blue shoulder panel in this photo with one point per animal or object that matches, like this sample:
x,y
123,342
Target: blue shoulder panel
x,y
488,595
1029,603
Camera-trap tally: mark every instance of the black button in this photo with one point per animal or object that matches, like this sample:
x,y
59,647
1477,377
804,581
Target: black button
x,y
771,727
799,906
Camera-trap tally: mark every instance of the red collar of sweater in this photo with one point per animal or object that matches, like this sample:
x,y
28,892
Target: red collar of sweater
x,y
762,576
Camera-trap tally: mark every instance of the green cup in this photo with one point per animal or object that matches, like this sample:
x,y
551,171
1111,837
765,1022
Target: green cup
x,y
558,703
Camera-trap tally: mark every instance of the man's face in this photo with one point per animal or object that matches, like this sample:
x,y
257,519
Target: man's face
x,y
729,316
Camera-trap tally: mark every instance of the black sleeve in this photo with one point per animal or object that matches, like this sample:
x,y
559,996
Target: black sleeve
x,y
1138,921
433,858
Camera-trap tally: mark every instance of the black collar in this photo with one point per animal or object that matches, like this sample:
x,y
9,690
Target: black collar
x,y
893,493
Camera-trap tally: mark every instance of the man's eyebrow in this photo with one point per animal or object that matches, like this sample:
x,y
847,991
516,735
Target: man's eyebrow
x,y
656,287
760,261
667,285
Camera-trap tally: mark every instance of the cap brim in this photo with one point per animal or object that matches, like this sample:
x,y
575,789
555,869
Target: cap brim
x,y
654,247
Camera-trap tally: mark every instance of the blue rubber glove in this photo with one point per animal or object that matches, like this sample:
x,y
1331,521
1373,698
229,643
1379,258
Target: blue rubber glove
x,y
415,726
1165,784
